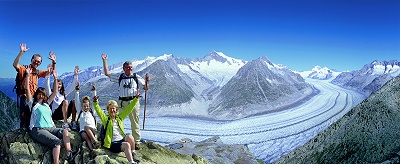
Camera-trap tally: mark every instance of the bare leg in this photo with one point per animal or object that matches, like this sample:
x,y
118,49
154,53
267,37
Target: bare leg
x,y
127,149
65,110
90,134
56,154
73,110
131,141
86,138
66,139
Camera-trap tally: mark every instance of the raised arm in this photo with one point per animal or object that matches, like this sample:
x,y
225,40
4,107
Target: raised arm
x,y
105,67
23,49
94,94
52,57
55,88
78,105
28,93
47,79
128,109
71,87
103,117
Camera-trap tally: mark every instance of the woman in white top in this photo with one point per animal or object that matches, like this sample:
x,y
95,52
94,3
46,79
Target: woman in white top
x,y
59,105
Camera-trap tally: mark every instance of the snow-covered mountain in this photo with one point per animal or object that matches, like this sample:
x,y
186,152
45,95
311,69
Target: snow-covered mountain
x,y
370,78
197,87
318,72
260,86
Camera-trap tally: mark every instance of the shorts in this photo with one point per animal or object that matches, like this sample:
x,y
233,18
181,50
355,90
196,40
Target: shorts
x,y
58,113
50,137
116,146
92,129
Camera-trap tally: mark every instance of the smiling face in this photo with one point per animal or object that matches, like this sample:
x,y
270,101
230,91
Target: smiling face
x,y
36,61
128,69
112,108
59,85
85,106
40,95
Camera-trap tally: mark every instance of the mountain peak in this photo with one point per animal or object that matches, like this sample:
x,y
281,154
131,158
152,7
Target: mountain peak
x,y
376,67
218,56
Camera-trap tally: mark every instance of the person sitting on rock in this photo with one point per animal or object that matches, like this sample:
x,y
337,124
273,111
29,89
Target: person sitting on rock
x,y
42,127
86,119
59,106
115,139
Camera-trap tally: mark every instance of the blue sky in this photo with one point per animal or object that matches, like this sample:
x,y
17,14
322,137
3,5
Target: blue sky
x,y
339,34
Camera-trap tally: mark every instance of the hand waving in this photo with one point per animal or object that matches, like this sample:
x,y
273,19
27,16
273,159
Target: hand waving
x,y
23,47
52,56
76,70
104,56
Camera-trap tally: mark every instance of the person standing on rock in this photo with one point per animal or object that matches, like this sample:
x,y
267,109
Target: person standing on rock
x,y
42,127
128,87
36,60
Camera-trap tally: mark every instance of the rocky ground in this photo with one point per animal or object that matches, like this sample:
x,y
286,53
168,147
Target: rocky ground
x,y
18,147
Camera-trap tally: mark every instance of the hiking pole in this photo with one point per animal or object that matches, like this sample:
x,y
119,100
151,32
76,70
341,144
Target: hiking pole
x,y
145,98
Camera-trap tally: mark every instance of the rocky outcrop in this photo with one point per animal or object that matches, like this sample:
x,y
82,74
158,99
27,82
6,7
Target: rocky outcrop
x,y
215,151
17,147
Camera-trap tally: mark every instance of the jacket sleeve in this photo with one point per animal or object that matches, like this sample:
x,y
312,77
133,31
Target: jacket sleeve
x,y
78,105
71,87
93,93
103,117
128,109
47,85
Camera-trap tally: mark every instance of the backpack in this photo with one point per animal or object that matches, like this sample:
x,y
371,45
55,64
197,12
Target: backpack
x,y
103,131
18,85
134,78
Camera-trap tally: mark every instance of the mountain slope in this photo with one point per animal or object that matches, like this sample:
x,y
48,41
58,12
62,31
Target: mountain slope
x,y
167,84
367,134
370,78
9,113
259,86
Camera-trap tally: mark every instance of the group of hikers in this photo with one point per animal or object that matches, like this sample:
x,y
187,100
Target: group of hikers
x,y
45,104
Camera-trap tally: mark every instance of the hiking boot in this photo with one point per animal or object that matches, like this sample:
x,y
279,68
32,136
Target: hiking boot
x,y
96,144
72,154
73,127
65,126
135,157
137,146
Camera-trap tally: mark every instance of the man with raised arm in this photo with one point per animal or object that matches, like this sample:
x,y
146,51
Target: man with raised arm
x,y
128,87
36,60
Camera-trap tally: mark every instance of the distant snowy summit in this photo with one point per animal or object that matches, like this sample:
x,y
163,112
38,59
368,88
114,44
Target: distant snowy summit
x,y
318,72
370,77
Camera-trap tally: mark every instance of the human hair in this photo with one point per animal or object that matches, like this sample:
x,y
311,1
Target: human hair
x,y
62,89
111,104
85,99
40,90
36,55
127,63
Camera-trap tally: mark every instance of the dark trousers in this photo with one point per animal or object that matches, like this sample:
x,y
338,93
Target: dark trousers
x,y
22,104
